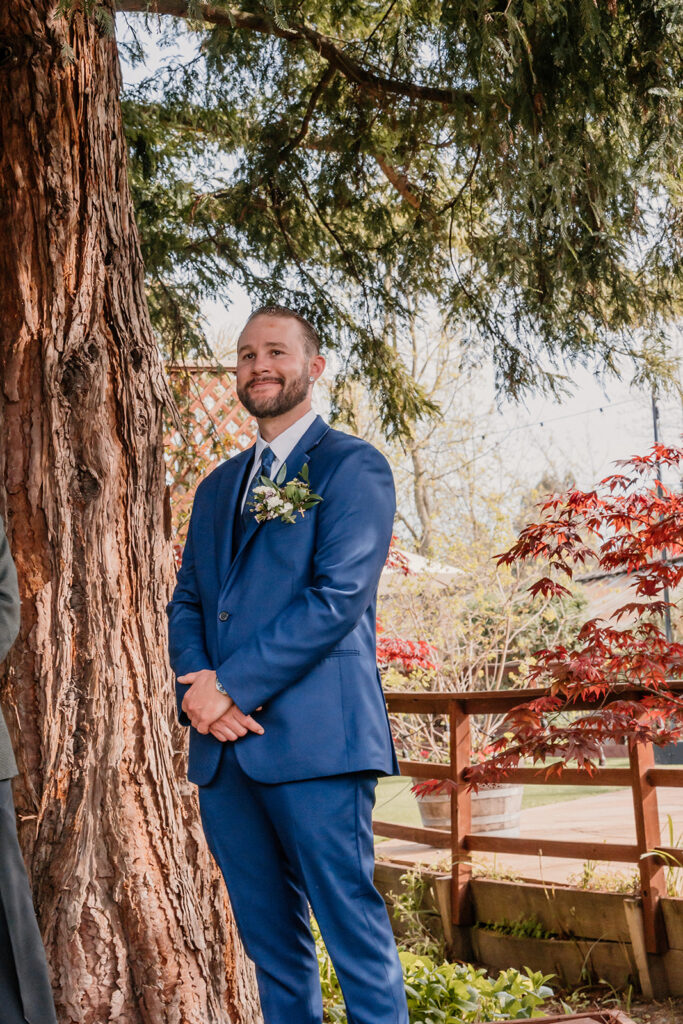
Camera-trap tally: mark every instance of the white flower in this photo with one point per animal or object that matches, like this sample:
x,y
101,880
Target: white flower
x,y
271,501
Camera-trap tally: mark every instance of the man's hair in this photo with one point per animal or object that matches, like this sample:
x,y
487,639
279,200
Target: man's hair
x,y
311,336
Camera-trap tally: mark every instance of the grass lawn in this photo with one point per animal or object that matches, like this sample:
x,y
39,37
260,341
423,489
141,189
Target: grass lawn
x,y
397,804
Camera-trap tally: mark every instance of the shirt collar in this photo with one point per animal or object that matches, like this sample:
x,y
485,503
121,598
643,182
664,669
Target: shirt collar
x,y
285,442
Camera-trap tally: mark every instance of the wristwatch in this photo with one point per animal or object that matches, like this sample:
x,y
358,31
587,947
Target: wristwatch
x,y
221,688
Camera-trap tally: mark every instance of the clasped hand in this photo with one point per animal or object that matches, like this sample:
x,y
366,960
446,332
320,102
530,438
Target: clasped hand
x,y
211,711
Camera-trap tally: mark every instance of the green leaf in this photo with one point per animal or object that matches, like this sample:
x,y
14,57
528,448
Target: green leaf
x,y
282,473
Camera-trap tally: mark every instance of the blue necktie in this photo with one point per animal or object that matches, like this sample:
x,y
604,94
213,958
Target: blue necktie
x,y
267,460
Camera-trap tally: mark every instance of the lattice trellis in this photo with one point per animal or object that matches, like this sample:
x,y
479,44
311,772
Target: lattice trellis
x,y
216,426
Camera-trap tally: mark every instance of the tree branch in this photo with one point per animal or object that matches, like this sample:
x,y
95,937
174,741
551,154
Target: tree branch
x,y
315,96
405,188
399,181
325,46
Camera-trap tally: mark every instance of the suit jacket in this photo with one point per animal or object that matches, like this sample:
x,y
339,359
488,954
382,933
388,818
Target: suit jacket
x,y
288,619
9,627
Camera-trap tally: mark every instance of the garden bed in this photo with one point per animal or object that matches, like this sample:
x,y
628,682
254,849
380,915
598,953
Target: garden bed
x,y
574,961
577,934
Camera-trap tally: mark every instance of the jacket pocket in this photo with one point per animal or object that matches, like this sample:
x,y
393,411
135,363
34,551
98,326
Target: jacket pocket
x,y
342,654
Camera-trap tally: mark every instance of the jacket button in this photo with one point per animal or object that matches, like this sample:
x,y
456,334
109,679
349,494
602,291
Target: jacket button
x,y
223,616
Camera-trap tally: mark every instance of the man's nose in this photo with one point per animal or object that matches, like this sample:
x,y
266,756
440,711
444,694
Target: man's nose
x,y
260,365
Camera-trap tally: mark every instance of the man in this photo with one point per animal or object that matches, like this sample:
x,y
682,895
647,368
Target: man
x,y
25,992
272,638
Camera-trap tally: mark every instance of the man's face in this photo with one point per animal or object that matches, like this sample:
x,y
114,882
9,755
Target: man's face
x,y
272,367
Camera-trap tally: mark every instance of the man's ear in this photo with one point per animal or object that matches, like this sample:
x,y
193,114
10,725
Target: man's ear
x,y
316,367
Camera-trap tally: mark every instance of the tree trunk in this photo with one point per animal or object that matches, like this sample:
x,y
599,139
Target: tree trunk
x,y
130,905
422,503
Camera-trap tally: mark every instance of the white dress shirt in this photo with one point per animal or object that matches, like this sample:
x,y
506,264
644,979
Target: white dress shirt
x,y
281,446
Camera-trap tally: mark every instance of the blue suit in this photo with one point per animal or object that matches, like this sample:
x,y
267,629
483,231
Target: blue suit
x,y
288,623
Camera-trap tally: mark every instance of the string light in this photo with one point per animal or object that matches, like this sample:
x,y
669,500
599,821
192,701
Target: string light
x,y
540,423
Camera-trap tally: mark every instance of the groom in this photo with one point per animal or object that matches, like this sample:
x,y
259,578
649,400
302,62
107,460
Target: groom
x,y
272,639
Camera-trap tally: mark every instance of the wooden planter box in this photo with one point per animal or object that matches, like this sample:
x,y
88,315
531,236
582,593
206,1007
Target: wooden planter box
x,y
573,961
593,938
436,904
589,1017
585,915
672,911
598,942
561,909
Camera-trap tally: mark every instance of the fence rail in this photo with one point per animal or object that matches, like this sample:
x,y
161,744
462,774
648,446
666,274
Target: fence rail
x,y
641,776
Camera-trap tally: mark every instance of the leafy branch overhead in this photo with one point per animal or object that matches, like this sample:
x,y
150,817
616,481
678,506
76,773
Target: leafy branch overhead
x,y
514,166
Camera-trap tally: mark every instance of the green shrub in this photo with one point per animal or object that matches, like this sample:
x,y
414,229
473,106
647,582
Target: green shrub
x,y
458,993
447,993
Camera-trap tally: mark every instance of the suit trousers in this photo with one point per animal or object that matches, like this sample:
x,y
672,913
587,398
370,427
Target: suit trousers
x,y
25,992
282,846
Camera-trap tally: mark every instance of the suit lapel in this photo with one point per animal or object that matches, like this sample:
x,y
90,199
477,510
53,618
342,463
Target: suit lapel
x,y
294,461
227,497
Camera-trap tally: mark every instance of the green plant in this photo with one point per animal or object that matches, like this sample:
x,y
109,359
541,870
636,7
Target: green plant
x,y
416,918
594,879
333,1001
523,928
460,993
593,994
445,993
674,880
492,871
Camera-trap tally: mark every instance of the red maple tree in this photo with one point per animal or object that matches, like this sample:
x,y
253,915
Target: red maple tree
x,y
633,524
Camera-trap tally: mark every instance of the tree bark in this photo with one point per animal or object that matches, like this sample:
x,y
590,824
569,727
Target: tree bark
x,y
131,908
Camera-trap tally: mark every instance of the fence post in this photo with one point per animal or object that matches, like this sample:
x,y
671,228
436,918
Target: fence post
x,y
461,814
652,873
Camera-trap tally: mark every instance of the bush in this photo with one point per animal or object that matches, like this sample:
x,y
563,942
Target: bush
x,y
448,993
458,993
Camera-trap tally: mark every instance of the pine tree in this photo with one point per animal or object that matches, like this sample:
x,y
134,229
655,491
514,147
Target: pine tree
x,y
516,165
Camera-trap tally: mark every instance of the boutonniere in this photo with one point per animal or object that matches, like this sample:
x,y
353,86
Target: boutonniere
x,y
275,499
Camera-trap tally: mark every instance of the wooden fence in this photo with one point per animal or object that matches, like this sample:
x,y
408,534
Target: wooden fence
x,y
641,776
216,426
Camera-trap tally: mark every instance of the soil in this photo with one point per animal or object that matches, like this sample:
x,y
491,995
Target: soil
x,y
669,1011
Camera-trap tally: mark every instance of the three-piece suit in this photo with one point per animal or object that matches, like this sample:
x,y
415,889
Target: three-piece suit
x,y
285,615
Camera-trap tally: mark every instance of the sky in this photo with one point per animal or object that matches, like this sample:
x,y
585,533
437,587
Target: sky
x,y
599,423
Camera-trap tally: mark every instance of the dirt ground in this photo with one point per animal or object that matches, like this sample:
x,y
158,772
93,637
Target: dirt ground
x,y
669,1011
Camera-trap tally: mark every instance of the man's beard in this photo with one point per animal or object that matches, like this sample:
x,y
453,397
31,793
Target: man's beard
x,y
291,394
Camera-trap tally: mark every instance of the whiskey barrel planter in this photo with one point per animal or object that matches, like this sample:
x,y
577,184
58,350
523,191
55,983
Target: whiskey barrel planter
x,y
495,809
